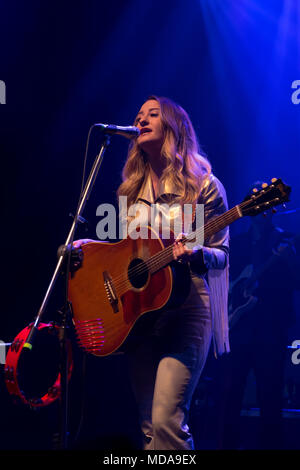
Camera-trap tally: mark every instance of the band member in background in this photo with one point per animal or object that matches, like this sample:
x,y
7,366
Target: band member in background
x,y
165,166
264,267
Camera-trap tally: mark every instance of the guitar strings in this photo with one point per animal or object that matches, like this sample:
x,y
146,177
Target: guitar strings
x,y
166,255
209,227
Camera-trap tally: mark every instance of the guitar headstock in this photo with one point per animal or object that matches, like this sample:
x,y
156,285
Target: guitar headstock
x,y
268,196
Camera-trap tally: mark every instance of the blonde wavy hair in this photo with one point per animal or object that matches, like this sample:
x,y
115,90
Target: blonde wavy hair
x,y
186,166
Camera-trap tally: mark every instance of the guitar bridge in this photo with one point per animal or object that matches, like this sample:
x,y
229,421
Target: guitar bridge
x,y
110,291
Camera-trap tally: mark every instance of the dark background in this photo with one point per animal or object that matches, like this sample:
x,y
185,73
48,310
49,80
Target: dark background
x,y
67,65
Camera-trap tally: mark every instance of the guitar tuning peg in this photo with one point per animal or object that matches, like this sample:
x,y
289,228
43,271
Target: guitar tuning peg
x,y
273,180
264,185
254,190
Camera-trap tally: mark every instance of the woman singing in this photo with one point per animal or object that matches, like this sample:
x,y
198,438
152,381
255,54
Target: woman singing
x,y
164,166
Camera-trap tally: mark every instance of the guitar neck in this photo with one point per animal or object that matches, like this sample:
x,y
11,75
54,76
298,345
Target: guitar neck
x,y
165,256
219,223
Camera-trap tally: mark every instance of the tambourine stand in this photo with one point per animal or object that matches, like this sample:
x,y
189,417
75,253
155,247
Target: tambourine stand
x,y
66,315
65,253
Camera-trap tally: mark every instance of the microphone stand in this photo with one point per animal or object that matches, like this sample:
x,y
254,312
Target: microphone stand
x,y
64,251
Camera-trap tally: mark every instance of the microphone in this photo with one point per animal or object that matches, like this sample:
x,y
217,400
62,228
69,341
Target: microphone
x,y
130,132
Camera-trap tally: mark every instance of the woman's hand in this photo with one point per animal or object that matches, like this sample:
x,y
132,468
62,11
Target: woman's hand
x,y
180,251
77,254
78,243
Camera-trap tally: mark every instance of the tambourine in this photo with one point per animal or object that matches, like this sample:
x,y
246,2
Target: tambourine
x,y
28,374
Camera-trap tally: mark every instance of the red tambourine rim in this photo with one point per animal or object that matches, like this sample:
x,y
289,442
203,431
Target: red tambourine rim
x,y
11,370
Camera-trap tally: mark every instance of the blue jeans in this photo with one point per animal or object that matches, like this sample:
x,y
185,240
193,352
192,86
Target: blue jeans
x,y
164,374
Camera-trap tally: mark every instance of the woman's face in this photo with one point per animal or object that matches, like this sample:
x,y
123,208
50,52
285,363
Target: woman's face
x,y
149,122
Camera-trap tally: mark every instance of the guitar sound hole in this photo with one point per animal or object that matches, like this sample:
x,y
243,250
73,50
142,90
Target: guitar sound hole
x,y
138,273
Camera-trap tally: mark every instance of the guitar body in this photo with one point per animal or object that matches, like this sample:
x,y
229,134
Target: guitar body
x,y
106,301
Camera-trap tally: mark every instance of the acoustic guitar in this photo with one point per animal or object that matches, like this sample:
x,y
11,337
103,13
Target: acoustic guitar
x,y
119,282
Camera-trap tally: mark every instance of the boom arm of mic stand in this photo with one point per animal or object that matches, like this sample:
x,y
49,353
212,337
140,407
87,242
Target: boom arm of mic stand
x,y
83,199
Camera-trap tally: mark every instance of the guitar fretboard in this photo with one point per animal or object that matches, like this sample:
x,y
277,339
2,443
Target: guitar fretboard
x,y
165,256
